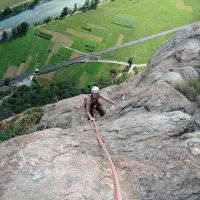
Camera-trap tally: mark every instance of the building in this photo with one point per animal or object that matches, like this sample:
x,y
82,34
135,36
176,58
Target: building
x,y
26,81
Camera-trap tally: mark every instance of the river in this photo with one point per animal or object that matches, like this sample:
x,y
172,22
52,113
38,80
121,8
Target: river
x,y
39,13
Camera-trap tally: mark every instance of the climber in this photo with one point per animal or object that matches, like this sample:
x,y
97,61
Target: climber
x,y
92,103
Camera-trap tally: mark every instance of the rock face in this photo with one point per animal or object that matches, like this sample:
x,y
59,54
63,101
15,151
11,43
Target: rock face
x,y
153,136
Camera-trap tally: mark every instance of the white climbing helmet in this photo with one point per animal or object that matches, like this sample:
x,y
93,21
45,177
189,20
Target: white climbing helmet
x,y
95,89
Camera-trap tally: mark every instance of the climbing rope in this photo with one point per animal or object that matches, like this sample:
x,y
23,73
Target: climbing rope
x,y
117,189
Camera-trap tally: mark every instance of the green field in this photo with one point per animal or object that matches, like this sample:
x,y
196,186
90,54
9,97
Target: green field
x,y
151,17
16,52
7,3
84,74
95,28
123,20
141,53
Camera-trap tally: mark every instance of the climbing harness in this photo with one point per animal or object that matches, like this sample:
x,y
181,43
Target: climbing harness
x,y
117,189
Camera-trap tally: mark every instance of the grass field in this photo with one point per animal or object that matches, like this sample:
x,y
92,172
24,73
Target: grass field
x,y
141,53
149,16
83,73
123,20
17,51
5,3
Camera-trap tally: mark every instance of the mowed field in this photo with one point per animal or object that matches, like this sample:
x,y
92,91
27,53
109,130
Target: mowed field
x,y
7,3
151,16
17,51
110,24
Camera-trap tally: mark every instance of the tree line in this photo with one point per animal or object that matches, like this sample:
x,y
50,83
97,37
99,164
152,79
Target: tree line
x,y
25,97
11,11
89,4
19,30
24,26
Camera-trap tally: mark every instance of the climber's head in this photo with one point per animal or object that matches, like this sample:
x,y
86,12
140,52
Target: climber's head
x,y
95,91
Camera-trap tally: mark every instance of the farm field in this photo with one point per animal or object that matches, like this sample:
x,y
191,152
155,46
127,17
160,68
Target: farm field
x,y
150,17
141,53
110,24
7,3
16,52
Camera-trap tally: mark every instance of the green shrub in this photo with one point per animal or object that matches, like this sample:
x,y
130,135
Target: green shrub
x,y
5,93
40,127
21,123
195,84
103,80
47,19
135,69
188,91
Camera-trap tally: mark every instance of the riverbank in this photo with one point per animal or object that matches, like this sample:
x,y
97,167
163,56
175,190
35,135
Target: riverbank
x,y
16,9
10,3
39,13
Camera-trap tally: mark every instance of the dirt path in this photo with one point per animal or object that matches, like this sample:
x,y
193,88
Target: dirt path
x,y
22,68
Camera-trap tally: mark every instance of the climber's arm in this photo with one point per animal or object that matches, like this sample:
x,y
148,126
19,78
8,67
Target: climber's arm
x,y
106,99
88,108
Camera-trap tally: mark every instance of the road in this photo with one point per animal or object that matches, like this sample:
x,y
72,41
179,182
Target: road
x,y
99,53
114,62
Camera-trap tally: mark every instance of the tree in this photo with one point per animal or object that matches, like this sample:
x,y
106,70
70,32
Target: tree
x,y
130,61
65,12
103,81
75,8
7,11
47,19
94,4
5,35
87,3
7,82
135,69
113,73
36,1
14,31
20,29
24,27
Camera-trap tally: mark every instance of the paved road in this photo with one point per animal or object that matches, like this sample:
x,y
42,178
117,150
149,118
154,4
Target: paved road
x,y
98,53
114,62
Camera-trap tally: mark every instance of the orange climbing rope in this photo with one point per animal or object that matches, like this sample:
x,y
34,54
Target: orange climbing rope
x,y
117,189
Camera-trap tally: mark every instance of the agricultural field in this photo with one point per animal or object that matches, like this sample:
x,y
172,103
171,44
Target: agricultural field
x,y
17,51
7,3
124,20
111,24
150,17
141,53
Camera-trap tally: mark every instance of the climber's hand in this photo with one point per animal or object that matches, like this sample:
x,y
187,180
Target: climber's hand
x,y
92,119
